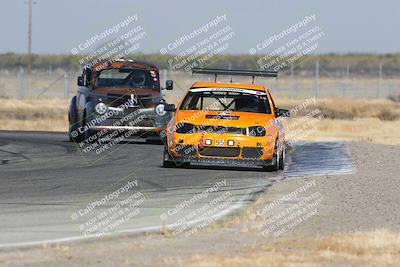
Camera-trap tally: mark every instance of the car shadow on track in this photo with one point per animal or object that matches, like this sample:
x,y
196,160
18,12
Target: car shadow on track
x,y
224,168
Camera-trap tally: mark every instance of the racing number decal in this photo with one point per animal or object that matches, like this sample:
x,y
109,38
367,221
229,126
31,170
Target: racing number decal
x,y
219,142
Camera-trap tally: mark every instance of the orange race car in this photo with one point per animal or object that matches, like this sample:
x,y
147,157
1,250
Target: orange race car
x,y
226,124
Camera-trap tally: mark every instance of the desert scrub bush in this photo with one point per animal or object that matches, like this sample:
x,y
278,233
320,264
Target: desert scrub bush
x,y
387,114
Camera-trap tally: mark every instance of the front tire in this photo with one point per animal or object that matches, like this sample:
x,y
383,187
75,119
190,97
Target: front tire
x,y
167,163
73,129
282,159
276,160
154,140
90,136
73,132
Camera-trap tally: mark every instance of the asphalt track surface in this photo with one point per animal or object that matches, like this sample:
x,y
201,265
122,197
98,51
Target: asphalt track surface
x,y
47,183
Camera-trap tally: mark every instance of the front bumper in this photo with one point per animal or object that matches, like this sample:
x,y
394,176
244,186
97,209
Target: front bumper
x,y
244,148
128,128
128,131
223,162
137,121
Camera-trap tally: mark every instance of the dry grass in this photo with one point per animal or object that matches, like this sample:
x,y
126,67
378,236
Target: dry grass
x,y
344,119
378,248
34,114
39,84
367,129
394,97
342,108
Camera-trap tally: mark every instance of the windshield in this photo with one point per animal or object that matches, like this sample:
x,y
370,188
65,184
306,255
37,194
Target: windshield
x,y
137,78
226,101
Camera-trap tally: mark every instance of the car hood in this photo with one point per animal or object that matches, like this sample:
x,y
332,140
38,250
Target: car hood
x,y
119,96
106,91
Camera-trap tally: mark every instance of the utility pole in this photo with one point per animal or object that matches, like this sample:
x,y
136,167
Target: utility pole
x,y
379,81
291,70
230,67
30,3
346,81
291,78
317,78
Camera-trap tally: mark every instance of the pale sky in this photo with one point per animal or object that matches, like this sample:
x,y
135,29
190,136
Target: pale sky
x,y
58,26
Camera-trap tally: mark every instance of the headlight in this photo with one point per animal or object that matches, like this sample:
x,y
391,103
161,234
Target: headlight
x,y
185,128
256,131
159,109
101,108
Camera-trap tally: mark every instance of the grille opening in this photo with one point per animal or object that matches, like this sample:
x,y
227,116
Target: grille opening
x,y
220,151
220,129
252,152
185,150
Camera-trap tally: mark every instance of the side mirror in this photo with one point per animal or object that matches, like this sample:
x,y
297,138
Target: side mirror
x,y
169,107
80,81
169,84
280,112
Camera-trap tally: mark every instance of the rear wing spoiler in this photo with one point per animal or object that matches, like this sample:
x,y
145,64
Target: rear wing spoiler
x,y
252,73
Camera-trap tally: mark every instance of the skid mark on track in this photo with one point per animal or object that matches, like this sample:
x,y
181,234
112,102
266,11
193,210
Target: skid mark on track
x,y
319,158
12,157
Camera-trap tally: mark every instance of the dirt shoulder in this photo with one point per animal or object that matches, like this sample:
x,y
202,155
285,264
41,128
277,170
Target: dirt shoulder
x,y
356,224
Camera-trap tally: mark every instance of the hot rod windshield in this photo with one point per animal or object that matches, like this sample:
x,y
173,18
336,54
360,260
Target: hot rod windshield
x,y
136,78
